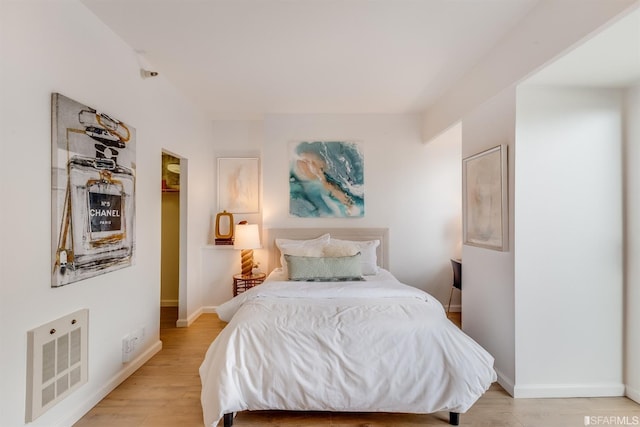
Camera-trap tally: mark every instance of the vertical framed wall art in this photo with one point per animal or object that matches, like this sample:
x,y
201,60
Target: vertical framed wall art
x,y
485,199
93,164
239,185
326,179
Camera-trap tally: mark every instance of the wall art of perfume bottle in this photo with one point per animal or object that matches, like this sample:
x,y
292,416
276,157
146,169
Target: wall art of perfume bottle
x,y
93,192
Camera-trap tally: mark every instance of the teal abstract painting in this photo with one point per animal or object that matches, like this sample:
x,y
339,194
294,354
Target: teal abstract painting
x,y
326,179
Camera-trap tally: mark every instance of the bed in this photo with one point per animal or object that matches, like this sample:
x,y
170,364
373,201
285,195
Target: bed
x,y
331,329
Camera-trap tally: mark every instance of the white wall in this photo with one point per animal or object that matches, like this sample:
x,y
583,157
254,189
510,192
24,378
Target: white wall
x,y
488,294
568,268
412,189
233,138
485,101
398,193
61,47
443,215
632,233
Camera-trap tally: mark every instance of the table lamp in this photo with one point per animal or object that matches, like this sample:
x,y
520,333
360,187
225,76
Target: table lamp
x,y
247,238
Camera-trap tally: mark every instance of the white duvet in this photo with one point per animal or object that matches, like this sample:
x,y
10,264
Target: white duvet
x,y
372,346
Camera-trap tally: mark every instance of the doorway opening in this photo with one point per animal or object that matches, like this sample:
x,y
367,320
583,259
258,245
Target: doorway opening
x,y
172,185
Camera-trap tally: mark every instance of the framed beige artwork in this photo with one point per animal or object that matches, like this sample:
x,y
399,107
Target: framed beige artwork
x,y
239,184
485,199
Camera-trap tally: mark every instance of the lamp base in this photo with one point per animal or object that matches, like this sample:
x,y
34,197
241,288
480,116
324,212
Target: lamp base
x,y
246,261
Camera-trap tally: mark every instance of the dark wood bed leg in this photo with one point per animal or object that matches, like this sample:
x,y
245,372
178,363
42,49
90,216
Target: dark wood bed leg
x,y
454,418
228,419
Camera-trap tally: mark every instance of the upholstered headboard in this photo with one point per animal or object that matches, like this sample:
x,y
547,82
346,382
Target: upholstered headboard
x,y
271,234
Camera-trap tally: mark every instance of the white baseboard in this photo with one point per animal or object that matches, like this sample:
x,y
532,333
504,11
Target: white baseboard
x,y
185,323
633,394
506,382
455,308
169,303
114,382
569,390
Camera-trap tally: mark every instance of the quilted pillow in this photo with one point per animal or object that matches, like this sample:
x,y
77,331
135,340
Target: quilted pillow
x,y
324,268
367,249
334,249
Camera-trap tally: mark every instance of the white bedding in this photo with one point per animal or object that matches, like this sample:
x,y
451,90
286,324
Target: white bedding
x,y
372,346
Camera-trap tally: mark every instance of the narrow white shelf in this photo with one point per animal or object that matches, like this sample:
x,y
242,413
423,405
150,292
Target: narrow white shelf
x,y
215,247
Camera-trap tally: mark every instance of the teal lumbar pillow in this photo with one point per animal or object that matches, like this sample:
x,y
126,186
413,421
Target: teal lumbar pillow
x,y
324,268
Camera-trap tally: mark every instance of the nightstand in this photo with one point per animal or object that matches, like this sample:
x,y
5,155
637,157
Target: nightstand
x,y
244,282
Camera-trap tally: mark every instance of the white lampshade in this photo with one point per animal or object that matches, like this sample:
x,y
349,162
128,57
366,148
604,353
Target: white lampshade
x,y
247,236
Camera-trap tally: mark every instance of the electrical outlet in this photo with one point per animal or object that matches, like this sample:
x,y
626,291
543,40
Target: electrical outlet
x,y
131,342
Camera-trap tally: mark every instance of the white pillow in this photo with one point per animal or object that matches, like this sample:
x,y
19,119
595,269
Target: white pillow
x,y
310,247
367,249
339,249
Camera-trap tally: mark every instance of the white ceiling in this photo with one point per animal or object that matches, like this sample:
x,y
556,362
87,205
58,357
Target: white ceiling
x,y
247,58
610,58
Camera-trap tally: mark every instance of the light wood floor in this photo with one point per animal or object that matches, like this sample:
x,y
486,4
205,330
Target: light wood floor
x,y
166,392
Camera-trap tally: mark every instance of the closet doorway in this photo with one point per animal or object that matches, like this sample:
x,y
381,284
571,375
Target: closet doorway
x,y
170,268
